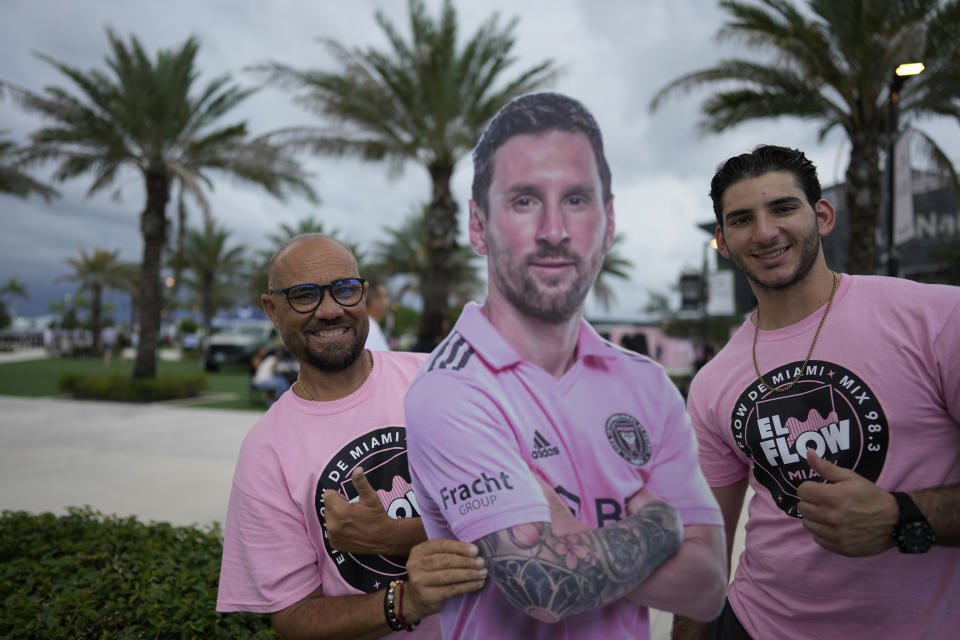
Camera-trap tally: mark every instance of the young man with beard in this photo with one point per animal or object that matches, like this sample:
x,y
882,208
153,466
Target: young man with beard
x,y
838,401
322,513
524,393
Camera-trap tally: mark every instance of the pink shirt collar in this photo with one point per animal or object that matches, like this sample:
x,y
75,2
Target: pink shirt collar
x,y
490,345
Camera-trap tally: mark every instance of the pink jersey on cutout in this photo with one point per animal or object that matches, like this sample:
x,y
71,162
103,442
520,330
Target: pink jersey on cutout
x,y
480,418
275,551
881,396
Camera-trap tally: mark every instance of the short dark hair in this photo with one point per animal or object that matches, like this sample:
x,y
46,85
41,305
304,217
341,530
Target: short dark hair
x,y
764,159
531,114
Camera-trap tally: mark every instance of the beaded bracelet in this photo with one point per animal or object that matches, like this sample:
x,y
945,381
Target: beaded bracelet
x,y
390,606
406,625
393,607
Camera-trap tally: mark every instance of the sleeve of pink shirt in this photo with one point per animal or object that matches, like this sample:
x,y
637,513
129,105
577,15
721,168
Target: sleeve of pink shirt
x,y
268,561
719,462
466,459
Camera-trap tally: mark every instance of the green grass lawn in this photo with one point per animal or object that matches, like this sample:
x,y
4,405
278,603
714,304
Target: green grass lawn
x,y
38,378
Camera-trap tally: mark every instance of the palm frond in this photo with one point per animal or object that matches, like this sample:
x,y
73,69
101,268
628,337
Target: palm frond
x,y
615,265
833,63
13,179
934,153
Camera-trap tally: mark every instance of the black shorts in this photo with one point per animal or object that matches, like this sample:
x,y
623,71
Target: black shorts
x,y
727,626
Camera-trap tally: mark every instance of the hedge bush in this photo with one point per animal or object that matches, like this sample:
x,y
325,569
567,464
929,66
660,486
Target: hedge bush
x,y
85,575
122,388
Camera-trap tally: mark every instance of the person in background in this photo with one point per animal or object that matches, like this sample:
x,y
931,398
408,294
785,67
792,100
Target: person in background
x,y
378,304
323,530
267,377
108,340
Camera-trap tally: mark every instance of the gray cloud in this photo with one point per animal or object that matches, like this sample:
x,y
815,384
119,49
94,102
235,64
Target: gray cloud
x,y
616,53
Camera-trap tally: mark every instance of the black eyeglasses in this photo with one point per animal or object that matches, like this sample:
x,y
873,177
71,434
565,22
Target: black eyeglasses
x,y
305,298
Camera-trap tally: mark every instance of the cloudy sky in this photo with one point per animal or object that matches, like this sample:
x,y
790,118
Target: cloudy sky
x,y
615,53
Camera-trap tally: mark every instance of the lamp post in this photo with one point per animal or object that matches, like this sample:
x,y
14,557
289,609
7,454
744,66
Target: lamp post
x,y
899,76
704,300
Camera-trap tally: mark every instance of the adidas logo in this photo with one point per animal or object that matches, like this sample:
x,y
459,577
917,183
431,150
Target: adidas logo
x,y
542,448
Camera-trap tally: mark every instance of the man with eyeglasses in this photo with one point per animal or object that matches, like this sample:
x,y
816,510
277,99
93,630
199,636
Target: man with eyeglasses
x,y
523,392
322,514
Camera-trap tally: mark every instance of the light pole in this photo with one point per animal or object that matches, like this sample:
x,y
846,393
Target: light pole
x,y
899,76
704,299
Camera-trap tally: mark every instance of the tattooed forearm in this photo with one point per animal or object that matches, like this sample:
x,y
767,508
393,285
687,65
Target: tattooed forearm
x,y
550,577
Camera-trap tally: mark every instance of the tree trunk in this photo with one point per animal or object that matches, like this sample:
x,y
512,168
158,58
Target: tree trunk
x,y
134,310
153,226
863,202
441,226
96,293
208,310
178,251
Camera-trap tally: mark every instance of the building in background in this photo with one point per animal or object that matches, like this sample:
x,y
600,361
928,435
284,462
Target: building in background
x,y
925,256
676,355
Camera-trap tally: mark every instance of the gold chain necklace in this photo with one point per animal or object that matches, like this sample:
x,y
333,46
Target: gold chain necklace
x,y
303,389
756,330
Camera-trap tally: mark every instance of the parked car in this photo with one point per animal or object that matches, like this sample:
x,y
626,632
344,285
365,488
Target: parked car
x,y
235,344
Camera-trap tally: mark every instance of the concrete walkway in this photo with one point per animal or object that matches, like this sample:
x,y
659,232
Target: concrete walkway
x,y
20,355
157,462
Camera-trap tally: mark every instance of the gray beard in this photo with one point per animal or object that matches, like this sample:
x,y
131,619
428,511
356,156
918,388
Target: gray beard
x,y
337,358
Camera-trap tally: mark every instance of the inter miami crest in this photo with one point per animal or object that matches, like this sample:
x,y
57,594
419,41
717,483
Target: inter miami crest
x,y
383,455
628,438
829,410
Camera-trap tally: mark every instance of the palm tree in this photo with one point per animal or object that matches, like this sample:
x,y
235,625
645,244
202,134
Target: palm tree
x,y
68,308
95,272
834,64
404,253
12,289
143,114
13,180
615,265
128,281
177,248
422,100
212,269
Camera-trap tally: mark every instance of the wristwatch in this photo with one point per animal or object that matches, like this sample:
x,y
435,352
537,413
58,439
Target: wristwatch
x,y
912,533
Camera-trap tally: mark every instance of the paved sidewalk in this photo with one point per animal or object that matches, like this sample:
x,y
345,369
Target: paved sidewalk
x,y
157,462
23,354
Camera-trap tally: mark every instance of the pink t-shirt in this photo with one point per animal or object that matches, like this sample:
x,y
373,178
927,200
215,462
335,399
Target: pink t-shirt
x,y
880,395
480,418
275,551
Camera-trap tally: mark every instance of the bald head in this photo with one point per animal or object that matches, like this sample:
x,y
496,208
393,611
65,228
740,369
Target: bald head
x,y
307,244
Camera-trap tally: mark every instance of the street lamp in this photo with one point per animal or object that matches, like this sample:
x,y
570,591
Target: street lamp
x,y
900,76
705,298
